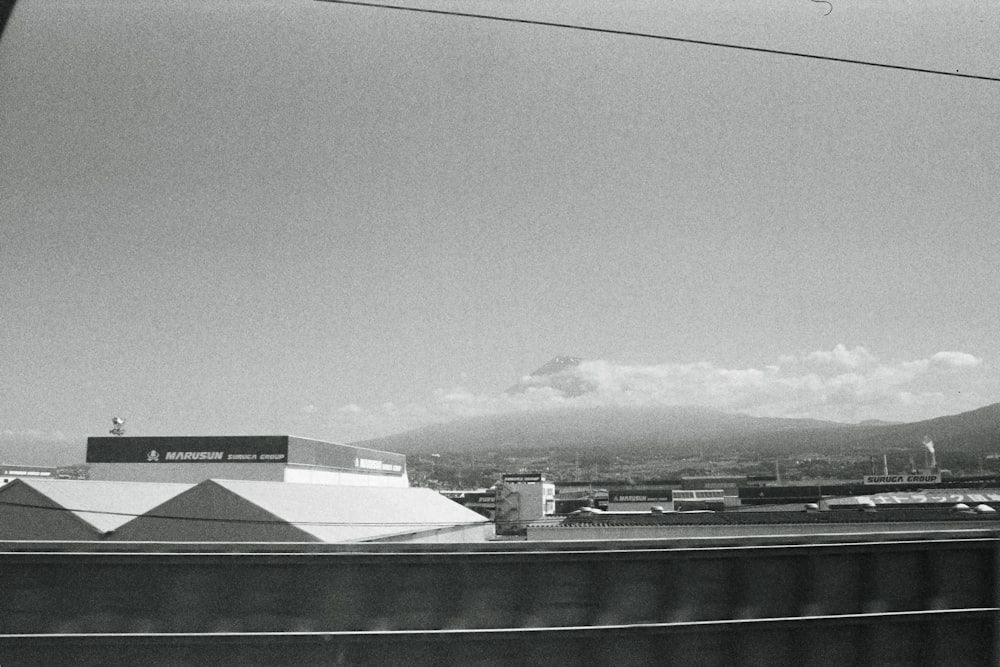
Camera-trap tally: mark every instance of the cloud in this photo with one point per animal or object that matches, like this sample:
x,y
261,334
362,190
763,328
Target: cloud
x,y
956,360
841,384
31,435
838,357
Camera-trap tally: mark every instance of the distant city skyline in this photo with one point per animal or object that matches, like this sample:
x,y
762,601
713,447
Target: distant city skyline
x,y
340,222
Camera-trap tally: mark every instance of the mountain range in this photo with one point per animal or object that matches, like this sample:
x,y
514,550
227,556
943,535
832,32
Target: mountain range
x,y
660,430
692,429
682,429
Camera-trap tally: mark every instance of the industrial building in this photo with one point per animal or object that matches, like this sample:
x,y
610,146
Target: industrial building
x,y
59,509
235,489
522,498
232,511
274,458
252,511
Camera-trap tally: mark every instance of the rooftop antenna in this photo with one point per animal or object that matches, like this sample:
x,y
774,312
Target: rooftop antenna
x,y
119,426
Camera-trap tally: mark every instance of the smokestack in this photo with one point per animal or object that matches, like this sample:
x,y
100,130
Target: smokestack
x,y
929,444
885,464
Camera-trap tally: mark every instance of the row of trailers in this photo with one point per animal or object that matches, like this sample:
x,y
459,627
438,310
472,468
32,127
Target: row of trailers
x,y
920,598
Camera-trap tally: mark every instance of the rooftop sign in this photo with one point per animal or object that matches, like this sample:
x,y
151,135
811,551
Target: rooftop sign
x,y
525,478
213,449
904,479
929,498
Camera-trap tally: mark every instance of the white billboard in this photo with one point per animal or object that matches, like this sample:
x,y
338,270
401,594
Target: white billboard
x,y
921,478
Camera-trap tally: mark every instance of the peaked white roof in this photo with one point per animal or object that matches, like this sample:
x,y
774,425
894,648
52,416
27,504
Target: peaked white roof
x,y
350,513
106,505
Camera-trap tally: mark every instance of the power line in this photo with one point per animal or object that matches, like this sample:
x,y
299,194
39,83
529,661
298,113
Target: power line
x,y
266,522
667,38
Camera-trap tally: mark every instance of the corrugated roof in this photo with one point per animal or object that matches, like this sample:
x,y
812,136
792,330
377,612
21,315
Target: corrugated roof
x,y
350,513
106,505
930,498
882,515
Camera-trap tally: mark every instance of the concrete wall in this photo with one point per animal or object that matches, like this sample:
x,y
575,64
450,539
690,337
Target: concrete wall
x,y
927,601
318,475
186,472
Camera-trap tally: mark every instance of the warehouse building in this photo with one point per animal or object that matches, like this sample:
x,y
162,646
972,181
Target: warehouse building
x,y
44,509
275,458
254,511
232,511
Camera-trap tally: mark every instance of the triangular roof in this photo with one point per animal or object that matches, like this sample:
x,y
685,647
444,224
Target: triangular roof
x,y
209,512
255,511
354,513
100,506
106,505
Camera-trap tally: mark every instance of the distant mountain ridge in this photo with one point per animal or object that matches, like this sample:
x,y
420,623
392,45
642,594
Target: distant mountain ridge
x,y
621,429
659,429
612,428
616,429
680,428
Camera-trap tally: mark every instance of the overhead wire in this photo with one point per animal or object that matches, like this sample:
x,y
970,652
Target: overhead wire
x,y
646,35
272,522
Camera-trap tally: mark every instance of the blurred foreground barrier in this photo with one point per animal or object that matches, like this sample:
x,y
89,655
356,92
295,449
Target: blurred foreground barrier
x,y
914,601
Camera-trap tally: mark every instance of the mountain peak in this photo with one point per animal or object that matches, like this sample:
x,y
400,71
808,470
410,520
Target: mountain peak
x,y
557,365
557,374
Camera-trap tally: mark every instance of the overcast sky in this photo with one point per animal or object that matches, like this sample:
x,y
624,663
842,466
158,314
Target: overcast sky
x,y
338,222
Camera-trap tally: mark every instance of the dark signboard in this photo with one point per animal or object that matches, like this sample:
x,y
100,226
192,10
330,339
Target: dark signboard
x,y
644,495
207,449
